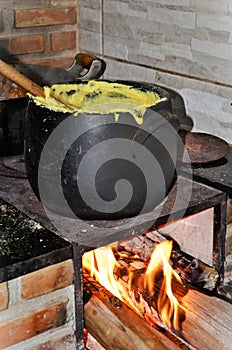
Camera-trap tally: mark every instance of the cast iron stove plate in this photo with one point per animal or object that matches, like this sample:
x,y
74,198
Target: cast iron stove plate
x,y
203,147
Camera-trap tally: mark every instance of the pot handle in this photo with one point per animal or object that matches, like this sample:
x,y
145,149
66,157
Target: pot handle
x,y
86,66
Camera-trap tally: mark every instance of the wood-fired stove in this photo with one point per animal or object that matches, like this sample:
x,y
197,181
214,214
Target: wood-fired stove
x,y
15,190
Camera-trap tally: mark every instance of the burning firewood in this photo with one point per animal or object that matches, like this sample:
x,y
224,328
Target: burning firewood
x,y
117,327
190,269
146,274
147,287
207,323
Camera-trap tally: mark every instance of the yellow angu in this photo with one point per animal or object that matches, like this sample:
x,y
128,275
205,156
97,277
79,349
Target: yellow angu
x,y
100,97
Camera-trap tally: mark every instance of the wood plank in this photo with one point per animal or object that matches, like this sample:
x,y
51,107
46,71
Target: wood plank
x,y
116,327
209,317
207,324
190,269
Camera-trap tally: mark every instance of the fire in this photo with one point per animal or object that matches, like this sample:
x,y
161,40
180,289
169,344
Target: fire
x,y
101,264
168,306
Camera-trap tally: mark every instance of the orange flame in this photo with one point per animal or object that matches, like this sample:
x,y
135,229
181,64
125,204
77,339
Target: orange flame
x,y
101,263
168,306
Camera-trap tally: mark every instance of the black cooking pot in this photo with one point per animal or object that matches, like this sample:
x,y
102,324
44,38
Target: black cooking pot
x,y
102,166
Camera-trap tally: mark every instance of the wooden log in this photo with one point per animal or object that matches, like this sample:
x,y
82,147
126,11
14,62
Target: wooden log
x,y
207,324
190,269
116,327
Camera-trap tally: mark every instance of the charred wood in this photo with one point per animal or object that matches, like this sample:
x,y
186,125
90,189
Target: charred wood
x,y
191,270
116,327
207,323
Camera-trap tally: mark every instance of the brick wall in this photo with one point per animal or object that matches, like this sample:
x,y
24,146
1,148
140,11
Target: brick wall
x,y
36,310
39,31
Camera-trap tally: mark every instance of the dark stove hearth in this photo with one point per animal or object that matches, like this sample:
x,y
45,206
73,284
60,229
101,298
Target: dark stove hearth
x,y
20,208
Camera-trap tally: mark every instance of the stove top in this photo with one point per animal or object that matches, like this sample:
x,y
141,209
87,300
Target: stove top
x,y
29,241
217,174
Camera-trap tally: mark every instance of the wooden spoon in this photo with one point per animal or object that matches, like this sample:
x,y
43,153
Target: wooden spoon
x,y
30,86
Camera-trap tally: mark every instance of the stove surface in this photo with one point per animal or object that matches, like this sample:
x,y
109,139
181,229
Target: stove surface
x,y
217,174
30,241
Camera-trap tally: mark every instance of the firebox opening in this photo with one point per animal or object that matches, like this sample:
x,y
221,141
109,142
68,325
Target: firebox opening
x,y
149,275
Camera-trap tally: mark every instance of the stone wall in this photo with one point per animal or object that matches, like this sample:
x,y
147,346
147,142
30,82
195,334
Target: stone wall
x,y
182,44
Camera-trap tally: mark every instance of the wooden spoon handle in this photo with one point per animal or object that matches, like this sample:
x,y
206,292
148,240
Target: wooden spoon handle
x,y
10,73
27,84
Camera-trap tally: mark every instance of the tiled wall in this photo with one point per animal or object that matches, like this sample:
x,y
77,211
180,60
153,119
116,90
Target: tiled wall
x,y
182,44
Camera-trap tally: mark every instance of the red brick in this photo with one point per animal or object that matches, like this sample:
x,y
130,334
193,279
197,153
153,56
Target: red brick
x,y
45,17
62,62
22,328
47,280
4,296
63,41
26,44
